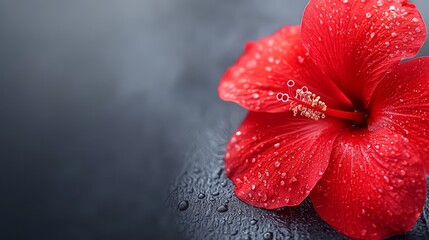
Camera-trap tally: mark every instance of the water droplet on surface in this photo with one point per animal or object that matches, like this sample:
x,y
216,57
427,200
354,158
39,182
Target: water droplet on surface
x,y
368,15
201,195
300,59
183,205
415,19
418,30
215,193
253,221
222,209
238,133
255,95
268,235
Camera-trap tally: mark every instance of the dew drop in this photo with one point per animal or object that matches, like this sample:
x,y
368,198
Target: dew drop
x,y
386,179
268,69
268,235
222,209
293,179
201,195
415,19
368,15
300,59
277,164
418,30
238,133
393,34
183,205
277,145
253,221
255,95
345,1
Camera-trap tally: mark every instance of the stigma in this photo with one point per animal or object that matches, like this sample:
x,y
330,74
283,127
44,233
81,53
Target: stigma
x,y
304,102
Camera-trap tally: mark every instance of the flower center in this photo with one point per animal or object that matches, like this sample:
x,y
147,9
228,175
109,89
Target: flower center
x,y
308,104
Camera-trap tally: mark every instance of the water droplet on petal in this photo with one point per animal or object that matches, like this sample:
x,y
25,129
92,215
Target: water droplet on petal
x,y
368,15
293,179
386,179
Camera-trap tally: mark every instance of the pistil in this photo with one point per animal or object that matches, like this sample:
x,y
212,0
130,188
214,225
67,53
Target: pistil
x,y
309,105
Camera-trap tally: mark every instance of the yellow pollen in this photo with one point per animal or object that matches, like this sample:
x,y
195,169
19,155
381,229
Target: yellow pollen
x,y
305,103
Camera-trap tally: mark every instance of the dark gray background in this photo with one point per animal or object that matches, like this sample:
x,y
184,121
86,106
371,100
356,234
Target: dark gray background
x,y
103,103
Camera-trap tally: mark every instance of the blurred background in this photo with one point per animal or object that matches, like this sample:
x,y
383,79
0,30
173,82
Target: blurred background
x,y
102,100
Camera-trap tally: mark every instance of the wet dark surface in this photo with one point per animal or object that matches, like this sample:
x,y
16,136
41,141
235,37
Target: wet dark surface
x,y
110,120
203,220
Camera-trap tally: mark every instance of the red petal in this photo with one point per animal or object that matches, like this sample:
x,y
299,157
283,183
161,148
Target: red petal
x,y
275,159
355,42
265,68
374,187
401,102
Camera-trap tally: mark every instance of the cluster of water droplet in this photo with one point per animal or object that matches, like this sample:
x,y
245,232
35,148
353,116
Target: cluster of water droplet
x,y
312,107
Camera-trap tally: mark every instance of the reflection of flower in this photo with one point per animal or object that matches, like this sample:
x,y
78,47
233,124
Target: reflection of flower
x,y
334,115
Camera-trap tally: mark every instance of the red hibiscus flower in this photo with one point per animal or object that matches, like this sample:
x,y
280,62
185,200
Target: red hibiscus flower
x,y
336,116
